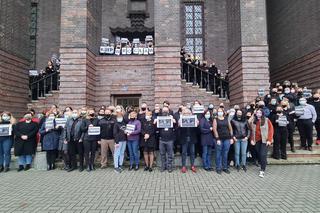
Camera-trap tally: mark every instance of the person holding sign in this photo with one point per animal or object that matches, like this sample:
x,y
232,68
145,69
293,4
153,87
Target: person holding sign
x,y
50,134
25,141
167,136
188,136
148,142
91,135
133,140
6,140
223,132
207,140
280,123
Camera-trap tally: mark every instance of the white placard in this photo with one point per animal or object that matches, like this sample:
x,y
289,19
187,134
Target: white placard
x,y
140,50
146,51
129,50
282,121
49,124
117,51
103,49
61,122
299,110
124,51
130,128
135,50
150,50
5,129
94,130
188,121
198,109
164,122
33,73
110,50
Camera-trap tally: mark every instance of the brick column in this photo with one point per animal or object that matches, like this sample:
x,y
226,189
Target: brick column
x,y
167,81
248,49
80,25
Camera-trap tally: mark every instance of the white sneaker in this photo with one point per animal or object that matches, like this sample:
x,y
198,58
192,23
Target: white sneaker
x,y
261,174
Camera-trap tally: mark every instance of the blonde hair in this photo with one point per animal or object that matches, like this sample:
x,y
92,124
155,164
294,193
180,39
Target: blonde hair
x,y
12,119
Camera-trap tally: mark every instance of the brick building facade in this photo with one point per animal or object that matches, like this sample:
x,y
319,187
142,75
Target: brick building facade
x,y
258,41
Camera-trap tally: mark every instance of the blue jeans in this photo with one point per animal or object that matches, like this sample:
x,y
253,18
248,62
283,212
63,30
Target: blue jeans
x,y
185,152
206,156
5,151
133,147
222,154
241,145
25,159
119,154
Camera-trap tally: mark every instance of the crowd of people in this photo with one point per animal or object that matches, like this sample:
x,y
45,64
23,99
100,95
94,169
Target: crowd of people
x,y
235,134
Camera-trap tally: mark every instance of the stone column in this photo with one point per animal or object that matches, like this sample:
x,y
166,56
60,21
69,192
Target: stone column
x,y
167,81
80,27
247,49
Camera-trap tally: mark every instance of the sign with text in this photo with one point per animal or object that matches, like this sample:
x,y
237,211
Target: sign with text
x,y
188,121
130,128
94,130
198,109
5,129
61,122
164,122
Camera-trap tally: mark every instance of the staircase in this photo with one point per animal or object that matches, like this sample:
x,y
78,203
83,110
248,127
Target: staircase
x,y
45,102
192,93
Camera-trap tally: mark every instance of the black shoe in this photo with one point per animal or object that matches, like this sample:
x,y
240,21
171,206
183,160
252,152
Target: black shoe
x,y
130,168
136,168
238,168
284,157
88,169
150,169
81,168
226,171
310,148
219,172
21,168
66,168
49,167
211,169
293,149
71,169
28,166
6,169
170,170
146,168
53,166
93,167
1,169
244,168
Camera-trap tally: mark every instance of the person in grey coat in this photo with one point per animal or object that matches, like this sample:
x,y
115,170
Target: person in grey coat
x,y
73,138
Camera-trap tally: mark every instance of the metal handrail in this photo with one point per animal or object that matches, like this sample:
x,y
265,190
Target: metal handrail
x,y
45,85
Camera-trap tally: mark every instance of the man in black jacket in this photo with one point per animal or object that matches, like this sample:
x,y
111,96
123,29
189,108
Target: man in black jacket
x,y
106,124
316,104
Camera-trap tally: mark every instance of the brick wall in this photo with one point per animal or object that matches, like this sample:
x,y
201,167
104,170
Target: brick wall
x,y
294,40
13,83
48,31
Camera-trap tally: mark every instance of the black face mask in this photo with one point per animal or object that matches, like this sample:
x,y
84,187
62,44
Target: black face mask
x,y
143,108
260,106
165,114
284,106
279,112
101,114
248,117
108,115
91,115
132,119
180,110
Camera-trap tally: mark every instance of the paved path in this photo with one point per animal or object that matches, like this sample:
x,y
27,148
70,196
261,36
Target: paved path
x,y
284,189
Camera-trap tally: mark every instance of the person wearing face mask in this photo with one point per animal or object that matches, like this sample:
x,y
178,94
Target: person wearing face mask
x,y
50,140
148,142
120,138
167,136
241,133
289,112
89,141
177,116
207,140
188,138
223,132
72,136
280,122
316,103
266,110
133,141
261,137
142,113
106,123
6,142
305,124
25,141
272,105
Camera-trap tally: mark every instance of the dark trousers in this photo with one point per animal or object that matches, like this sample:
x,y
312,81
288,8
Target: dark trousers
x,y
166,153
185,147
305,127
89,152
51,156
75,147
291,128
262,151
317,126
280,143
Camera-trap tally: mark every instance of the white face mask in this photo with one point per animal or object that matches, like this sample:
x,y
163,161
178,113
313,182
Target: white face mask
x,y
120,119
302,103
220,114
6,117
207,116
148,118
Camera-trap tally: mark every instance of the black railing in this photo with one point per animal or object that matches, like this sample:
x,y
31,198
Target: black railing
x,y
43,86
212,82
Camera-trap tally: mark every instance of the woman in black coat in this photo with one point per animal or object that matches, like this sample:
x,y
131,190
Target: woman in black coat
x,y
148,142
25,140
